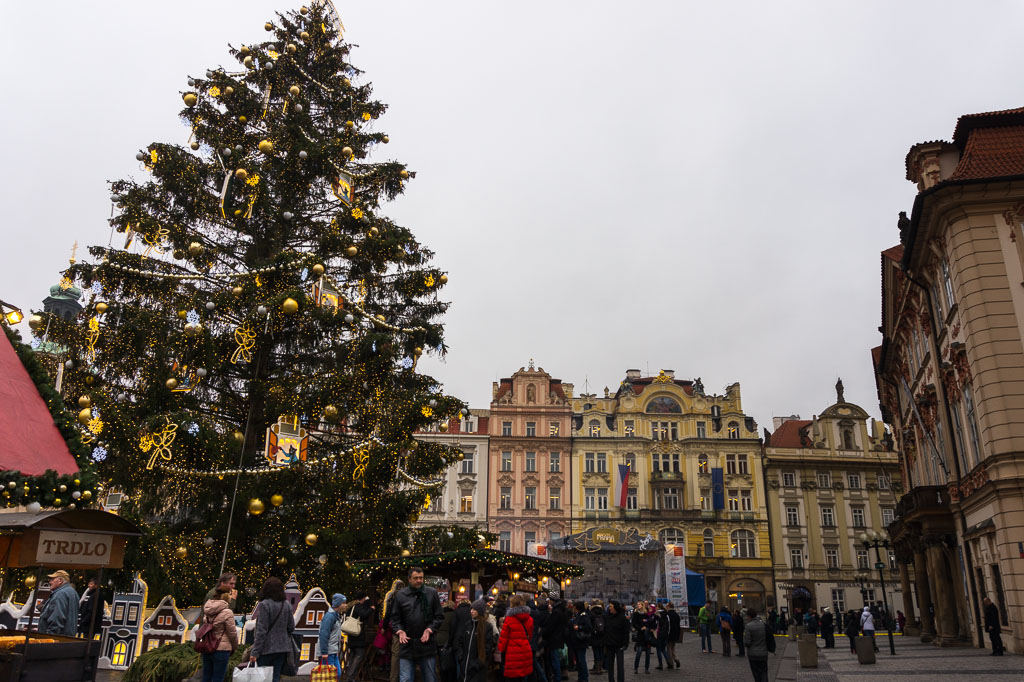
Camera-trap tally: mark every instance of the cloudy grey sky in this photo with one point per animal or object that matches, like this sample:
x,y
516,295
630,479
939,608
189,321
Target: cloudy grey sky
x,y
698,186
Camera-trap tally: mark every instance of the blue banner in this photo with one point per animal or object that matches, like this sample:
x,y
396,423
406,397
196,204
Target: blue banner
x,y
718,488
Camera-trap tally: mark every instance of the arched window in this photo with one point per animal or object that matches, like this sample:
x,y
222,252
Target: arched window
x,y
120,654
734,430
709,542
742,544
702,464
847,435
672,536
595,428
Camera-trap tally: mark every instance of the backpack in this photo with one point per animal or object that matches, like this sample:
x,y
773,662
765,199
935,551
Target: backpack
x,y
206,639
598,622
769,639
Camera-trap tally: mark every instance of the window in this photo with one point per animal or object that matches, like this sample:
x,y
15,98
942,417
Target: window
x,y
883,482
824,480
869,595
505,541
631,498
666,462
702,464
838,601
670,498
506,461
862,558
630,461
629,428
746,501
602,499
972,424
531,461
153,643
702,430
119,614
590,499
892,560
554,462
858,517
947,284
730,464
529,538
554,498
958,435
595,428
853,481
832,557
311,618
792,516
120,654
467,425
589,459
672,536
734,499
659,430
743,544
733,430
709,542
741,464
938,304
796,557
531,429
788,479
828,516
133,614
467,462
506,498
553,429
602,463
506,428
466,502
888,516
437,504
554,535
705,499
530,499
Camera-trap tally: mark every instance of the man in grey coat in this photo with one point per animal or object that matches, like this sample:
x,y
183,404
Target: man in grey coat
x,y
415,616
755,639
60,612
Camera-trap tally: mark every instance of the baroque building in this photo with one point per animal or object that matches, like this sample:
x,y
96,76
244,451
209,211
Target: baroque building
x,y
830,479
464,500
694,478
950,377
529,464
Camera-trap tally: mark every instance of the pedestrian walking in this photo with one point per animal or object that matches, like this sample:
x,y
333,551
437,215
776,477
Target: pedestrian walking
x,y
390,640
59,615
363,611
738,628
992,627
597,614
415,616
756,640
828,628
852,629
514,641
661,638
553,636
582,630
539,612
616,640
644,625
725,630
867,625
705,617
329,641
218,614
675,633
901,621
90,609
272,642
811,621
474,646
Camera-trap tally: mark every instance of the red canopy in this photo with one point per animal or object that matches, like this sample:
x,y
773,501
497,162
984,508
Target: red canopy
x,y
29,440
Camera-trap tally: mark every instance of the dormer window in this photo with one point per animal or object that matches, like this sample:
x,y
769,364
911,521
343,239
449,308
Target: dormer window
x,y
594,428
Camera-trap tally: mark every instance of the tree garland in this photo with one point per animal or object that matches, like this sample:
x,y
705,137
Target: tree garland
x,y
493,557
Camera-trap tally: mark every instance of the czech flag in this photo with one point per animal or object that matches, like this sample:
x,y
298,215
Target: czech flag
x,y
622,484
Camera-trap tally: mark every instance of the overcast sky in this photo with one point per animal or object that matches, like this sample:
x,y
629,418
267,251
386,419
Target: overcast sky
x,y
704,187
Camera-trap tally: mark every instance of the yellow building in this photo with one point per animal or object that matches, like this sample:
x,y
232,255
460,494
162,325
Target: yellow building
x,y
694,477
830,479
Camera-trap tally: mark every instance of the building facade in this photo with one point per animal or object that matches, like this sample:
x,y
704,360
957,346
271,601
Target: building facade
x,y
464,499
950,376
529,462
830,479
694,478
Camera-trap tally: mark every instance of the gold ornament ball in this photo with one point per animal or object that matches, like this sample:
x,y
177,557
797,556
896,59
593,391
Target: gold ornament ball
x,y
85,416
35,322
442,427
311,539
385,139
346,82
63,488
242,119
294,91
404,174
190,99
290,306
318,269
77,482
256,506
304,36
181,552
194,145
89,380
172,383
290,48
444,279
238,436
406,552
330,411
282,562
84,402
87,495
195,248
244,49
277,500
417,351
56,502
380,318
266,146
304,10
351,251
241,174
247,62
229,90
30,581
268,26
346,152
182,314
101,307
237,291
350,124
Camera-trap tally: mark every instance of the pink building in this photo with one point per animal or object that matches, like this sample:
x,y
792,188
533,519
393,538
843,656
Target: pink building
x,y
529,460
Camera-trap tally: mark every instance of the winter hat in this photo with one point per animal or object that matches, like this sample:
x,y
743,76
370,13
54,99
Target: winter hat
x,y
480,606
337,600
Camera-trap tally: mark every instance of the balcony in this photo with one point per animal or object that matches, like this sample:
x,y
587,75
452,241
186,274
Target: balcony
x,y
666,476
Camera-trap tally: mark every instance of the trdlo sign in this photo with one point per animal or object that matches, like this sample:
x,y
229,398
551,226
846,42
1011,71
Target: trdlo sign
x,y
73,549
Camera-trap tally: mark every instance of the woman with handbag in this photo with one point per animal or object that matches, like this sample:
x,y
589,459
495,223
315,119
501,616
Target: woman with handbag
x,y
273,643
644,626
514,641
355,627
218,615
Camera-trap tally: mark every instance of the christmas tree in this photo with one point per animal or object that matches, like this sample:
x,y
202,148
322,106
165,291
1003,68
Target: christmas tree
x,y
250,345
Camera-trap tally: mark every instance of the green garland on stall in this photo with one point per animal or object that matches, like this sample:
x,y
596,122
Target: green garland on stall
x,y
45,488
493,557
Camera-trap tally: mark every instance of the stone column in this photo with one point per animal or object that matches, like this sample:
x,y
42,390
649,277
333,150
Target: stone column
x,y
911,628
924,596
942,594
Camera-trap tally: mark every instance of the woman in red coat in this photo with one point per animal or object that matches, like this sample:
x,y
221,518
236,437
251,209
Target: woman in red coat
x,y
514,642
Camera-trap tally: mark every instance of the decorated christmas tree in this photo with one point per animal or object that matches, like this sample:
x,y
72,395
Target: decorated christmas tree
x,y
246,360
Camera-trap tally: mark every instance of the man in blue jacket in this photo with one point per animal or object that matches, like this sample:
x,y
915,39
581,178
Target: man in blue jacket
x,y
330,633
60,612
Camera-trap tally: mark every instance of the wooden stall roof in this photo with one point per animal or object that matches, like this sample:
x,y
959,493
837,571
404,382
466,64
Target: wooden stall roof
x,y
76,520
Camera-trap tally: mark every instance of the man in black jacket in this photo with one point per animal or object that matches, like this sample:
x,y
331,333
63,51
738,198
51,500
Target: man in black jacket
x,y
553,635
415,617
597,638
91,609
993,628
675,632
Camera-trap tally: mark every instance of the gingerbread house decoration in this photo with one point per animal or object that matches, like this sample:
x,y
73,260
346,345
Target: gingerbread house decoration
x,y
308,614
292,592
120,642
166,625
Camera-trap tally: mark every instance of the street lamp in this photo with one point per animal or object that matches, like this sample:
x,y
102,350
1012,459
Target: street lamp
x,y
11,314
863,579
878,540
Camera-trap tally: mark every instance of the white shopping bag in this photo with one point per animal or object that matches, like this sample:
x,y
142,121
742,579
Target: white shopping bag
x,y
253,673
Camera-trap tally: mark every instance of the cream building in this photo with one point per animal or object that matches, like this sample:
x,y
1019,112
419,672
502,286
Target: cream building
x,y
464,500
830,479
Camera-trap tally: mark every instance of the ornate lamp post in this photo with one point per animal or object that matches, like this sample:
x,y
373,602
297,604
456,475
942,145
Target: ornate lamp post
x,y
863,579
878,540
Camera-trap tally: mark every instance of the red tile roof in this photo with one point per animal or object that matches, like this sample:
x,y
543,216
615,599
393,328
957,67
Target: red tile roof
x,y
985,119
895,253
992,152
789,435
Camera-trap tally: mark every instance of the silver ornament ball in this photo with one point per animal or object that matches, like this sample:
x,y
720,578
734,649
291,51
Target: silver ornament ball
x,y
262,310
303,154
69,365
298,108
287,215
349,318
201,372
